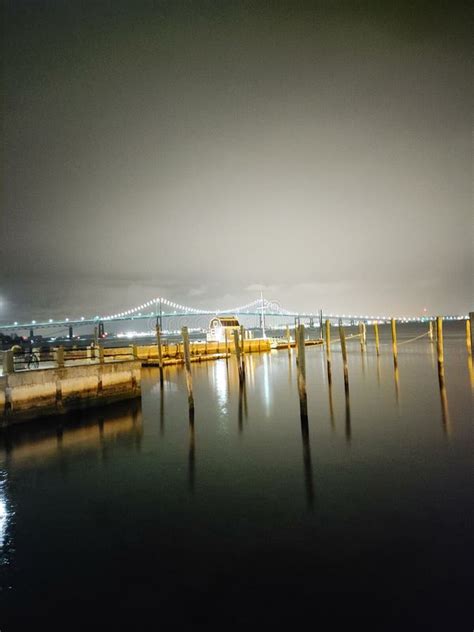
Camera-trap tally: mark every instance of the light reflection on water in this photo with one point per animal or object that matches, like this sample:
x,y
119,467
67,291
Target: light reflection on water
x,y
147,499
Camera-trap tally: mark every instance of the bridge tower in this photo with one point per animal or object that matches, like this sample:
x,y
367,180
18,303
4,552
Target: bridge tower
x,y
159,314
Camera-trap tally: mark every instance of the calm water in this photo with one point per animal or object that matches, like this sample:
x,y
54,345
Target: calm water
x,y
247,515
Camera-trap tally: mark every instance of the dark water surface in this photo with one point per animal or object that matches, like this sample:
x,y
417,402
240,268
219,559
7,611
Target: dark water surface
x,y
246,515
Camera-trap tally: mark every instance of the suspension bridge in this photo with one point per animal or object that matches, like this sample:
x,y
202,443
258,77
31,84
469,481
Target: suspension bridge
x,y
170,316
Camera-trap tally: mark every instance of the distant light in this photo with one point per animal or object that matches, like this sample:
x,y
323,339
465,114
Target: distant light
x,y
33,322
15,323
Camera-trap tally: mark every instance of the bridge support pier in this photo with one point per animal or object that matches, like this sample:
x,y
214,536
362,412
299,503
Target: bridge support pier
x,y
32,333
70,332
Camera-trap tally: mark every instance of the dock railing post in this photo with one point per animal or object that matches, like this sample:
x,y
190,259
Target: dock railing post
x,y
8,363
59,357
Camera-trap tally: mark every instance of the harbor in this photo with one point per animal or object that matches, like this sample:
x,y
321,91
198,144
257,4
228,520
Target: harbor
x,y
362,483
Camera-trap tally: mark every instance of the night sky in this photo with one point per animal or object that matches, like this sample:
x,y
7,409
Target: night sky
x,y
204,150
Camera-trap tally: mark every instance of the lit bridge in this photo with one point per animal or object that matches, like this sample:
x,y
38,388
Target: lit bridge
x,y
171,316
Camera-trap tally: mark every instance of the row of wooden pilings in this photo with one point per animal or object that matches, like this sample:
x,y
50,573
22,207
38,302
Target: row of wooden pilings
x,y
362,335
239,336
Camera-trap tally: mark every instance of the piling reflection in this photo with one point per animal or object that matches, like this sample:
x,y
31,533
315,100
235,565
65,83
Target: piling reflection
x,y
162,408
30,445
396,378
331,404
191,453
240,407
348,415
470,370
307,464
445,417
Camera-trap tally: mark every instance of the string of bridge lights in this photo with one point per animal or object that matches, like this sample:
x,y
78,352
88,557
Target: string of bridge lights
x,y
261,305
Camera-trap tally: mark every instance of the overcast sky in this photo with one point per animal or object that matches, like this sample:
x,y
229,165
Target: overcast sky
x,y
203,150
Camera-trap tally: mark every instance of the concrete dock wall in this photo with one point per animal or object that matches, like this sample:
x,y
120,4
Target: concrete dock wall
x,y
28,394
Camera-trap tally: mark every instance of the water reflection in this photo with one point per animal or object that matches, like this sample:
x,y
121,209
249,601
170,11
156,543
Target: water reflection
x,y
221,383
348,415
331,405
266,382
242,407
162,407
4,513
396,377
27,444
308,467
470,369
446,421
191,453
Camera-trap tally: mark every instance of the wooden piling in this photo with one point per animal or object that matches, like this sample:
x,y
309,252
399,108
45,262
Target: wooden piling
x,y
468,336
187,366
342,337
361,337
471,328
226,343
288,337
160,352
328,350
300,337
393,324
242,349
430,331
377,341
440,346
328,336
238,354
